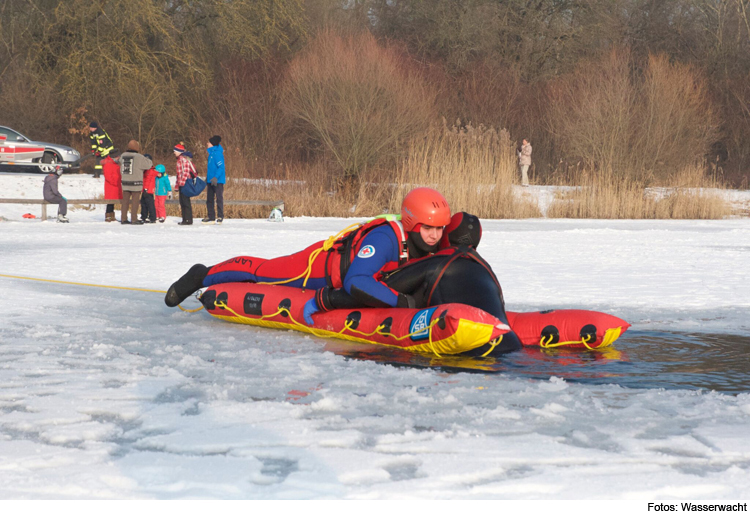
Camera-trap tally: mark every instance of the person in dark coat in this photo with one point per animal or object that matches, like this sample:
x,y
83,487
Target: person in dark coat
x,y
101,146
52,194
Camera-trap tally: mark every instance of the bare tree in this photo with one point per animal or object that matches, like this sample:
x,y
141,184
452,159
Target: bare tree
x,y
360,100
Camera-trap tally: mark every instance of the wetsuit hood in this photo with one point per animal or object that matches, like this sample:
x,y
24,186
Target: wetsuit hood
x,y
418,248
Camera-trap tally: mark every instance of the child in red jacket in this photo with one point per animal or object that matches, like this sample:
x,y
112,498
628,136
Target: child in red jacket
x,y
148,208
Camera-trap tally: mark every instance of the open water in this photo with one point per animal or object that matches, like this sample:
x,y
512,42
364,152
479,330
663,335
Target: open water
x,y
639,359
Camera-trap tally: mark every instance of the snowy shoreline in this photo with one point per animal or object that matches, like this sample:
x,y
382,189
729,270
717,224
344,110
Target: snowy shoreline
x,y
15,185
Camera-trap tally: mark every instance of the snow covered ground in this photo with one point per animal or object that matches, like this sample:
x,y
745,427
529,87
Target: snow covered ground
x,y
110,394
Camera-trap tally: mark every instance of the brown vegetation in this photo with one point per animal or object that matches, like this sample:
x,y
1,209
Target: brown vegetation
x,y
356,99
688,195
305,92
474,168
623,125
446,159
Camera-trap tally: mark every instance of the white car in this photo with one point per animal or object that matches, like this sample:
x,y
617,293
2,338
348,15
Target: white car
x,y
27,151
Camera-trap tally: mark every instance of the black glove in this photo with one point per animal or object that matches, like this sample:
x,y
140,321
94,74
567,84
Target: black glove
x,y
332,298
406,301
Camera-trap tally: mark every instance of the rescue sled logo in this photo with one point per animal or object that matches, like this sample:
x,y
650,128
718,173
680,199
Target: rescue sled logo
x,y
421,321
366,252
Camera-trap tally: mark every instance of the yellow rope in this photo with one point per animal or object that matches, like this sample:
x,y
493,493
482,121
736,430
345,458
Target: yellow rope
x,y
549,343
221,304
190,311
327,245
96,286
347,326
81,283
494,343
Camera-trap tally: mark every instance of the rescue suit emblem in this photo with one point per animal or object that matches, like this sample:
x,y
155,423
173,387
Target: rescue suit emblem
x,y
366,252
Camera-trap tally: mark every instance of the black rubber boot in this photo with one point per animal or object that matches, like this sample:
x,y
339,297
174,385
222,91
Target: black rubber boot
x,y
188,284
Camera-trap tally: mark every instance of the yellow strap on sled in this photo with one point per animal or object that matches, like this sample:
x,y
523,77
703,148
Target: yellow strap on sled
x,y
347,326
610,336
494,343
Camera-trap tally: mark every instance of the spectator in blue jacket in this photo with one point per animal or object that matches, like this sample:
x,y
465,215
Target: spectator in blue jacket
x,y
215,178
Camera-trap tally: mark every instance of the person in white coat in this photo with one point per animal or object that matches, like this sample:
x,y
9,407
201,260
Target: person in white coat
x,y
524,160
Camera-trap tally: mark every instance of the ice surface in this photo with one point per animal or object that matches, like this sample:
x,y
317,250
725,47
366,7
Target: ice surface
x,y
110,394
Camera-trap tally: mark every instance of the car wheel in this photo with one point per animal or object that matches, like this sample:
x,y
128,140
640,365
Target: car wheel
x,y
50,157
48,161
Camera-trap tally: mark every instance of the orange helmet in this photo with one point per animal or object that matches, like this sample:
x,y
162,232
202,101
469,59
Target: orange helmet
x,y
424,206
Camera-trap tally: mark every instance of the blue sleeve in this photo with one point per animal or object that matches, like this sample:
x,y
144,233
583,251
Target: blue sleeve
x,y
378,248
210,169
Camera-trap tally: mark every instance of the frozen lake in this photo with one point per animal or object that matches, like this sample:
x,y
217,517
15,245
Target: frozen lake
x,y
110,394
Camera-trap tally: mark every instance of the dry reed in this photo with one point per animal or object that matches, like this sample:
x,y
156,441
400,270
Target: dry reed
x,y
689,196
474,168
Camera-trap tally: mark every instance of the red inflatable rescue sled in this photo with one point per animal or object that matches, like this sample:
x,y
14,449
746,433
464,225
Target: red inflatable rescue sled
x,y
566,328
444,329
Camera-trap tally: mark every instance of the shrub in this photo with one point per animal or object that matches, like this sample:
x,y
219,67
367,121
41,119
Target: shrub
x,y
244,109
677,123
624,125
358,100
591,114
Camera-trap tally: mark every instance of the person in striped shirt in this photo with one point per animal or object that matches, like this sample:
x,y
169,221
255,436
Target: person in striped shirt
x,y
185,169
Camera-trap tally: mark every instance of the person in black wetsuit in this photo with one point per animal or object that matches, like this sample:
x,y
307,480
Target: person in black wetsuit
x,y
455,274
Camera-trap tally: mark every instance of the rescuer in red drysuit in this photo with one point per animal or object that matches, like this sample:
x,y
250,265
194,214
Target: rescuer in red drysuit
x,y
352,264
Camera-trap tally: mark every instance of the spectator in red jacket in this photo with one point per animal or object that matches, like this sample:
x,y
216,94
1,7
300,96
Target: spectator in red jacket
x,y
112,185
148,207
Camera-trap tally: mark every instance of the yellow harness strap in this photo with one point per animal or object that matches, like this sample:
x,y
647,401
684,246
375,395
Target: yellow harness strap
x,y
330,241
327,245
